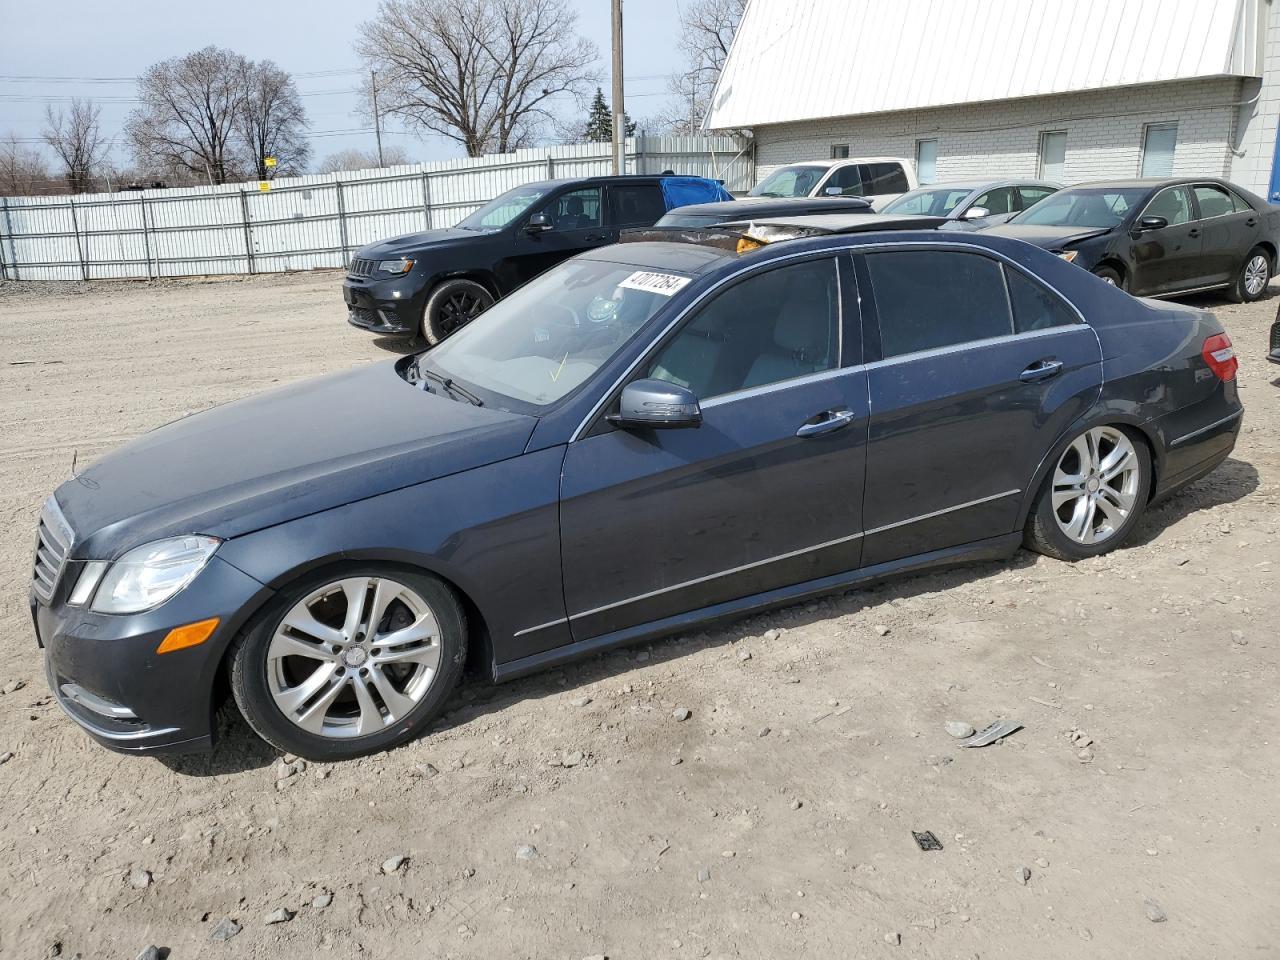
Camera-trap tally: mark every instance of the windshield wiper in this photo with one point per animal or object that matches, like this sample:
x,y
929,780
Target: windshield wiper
x,y
449,384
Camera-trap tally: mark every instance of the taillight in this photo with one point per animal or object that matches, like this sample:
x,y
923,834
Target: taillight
x,y
1220,356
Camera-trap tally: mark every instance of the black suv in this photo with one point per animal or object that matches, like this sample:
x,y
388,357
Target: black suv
x,y
432,283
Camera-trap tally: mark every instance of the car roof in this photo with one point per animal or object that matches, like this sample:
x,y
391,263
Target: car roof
x,y
1150,182
621,178
690,258
978,183
748,205
825,223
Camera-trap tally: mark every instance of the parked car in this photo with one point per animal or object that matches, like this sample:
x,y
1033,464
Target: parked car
x,y
878,179
1274,354
431,284
707,214
640,441
973,204
1159,238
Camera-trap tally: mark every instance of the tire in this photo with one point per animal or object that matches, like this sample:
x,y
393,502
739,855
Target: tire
x,y
354,696
1075,530
1251,279
1109,275
451,306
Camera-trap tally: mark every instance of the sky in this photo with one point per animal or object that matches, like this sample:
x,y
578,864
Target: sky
x,y
313,40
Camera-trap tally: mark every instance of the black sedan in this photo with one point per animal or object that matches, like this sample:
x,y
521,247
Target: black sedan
x,y
645,439
746,208
1159,238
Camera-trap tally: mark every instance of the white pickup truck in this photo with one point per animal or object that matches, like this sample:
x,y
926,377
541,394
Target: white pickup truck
x,y
878,179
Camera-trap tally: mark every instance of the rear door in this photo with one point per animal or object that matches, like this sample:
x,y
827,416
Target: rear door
x,y
634,205
1169,259
884,181
1230,229
965,401
578,222
767,492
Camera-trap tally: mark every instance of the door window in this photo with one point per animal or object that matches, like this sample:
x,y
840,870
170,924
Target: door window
x,y
845,182
1032,195
933,298
1034,307
885,178
1215,202
927,160
1053,154
999,200
1174,204
639,203
767,328
576,210
1159,141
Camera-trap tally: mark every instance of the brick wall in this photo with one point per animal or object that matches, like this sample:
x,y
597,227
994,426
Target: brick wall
x,y
1104,131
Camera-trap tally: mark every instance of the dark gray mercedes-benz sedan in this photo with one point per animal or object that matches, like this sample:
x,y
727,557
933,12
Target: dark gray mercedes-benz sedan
x,y
647,437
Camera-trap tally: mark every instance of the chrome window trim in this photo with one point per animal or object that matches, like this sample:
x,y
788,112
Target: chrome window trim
x,y
1236,200
847,250
972,344
785,556
747,392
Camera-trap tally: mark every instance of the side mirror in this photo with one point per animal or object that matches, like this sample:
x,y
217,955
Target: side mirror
x,y
1152,223
975,213
657,404
538,223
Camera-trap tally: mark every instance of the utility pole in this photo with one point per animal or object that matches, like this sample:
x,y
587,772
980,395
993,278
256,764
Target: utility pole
x,y
619,107
377,121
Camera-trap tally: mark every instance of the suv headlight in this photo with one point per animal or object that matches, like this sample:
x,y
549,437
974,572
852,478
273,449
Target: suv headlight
x,y
395,267
145,577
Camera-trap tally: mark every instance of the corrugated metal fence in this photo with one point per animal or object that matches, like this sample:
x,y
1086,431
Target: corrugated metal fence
x,y
303,223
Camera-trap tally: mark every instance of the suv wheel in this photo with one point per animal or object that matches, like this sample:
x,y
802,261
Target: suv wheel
x,y
343,665
451,306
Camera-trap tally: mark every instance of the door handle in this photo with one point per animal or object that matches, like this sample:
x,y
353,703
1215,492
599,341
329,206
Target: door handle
x,y
1041,370
1193,233
1251,222
828,421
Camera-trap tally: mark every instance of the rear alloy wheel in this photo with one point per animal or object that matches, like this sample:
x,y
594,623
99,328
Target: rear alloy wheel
x,y
1251,282
350,665
1093,497
451,306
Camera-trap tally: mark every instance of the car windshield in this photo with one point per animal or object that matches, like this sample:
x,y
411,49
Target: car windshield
x,y
933,203
552,334
797,181
677,219
502,210
1098,207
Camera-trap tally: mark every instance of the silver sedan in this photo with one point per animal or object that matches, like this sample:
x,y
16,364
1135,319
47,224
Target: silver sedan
x,y
973,204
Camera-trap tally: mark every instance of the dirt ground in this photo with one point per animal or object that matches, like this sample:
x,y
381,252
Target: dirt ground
x,y
775,822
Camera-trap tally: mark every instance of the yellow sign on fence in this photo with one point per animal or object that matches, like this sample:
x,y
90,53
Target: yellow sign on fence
x,y
264,186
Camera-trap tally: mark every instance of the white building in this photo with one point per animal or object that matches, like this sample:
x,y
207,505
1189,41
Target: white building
x,y
1069,91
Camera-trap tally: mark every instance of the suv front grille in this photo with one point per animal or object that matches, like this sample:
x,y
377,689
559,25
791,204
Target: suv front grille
x,y
360,268
54,538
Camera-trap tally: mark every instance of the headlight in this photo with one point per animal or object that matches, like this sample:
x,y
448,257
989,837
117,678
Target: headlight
x,y
1069,255
148,575
396,267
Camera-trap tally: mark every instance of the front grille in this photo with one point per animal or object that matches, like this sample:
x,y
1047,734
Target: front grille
x,y
360,268
364,316
53,543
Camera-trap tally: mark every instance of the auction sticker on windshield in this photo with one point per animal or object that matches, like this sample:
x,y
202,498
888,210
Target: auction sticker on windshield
x,y
662,283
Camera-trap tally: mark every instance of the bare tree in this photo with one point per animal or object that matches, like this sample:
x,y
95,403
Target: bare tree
x,y
271,122
76,139
706,31
481,72
189,112
352,159
23,171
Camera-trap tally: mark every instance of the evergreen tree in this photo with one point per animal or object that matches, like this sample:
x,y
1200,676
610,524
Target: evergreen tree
x,y
600,120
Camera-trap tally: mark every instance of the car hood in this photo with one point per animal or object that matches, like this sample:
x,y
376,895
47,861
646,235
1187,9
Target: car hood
x,y
1051,238
412,243
281,455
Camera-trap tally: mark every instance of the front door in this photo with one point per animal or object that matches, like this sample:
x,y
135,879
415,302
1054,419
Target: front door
x,y
975,383
767,492
1168,259
578,222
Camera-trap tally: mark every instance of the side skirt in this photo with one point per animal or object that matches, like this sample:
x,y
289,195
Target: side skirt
x,y
992,548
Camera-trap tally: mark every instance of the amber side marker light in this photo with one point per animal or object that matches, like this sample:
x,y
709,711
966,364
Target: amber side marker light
x,y
192,635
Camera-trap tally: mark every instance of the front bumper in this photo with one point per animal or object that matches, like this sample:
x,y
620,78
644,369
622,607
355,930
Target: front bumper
x,y
373,305
105,674
1274,355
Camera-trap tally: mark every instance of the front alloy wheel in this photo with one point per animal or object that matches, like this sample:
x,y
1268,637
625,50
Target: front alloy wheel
x,y
1093,497
350,665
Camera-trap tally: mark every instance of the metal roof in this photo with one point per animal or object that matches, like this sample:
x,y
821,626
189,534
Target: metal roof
x,y
832,58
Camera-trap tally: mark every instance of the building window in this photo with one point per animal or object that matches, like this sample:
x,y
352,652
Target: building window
x,y
839,151
1159,140
1053,155
926,160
